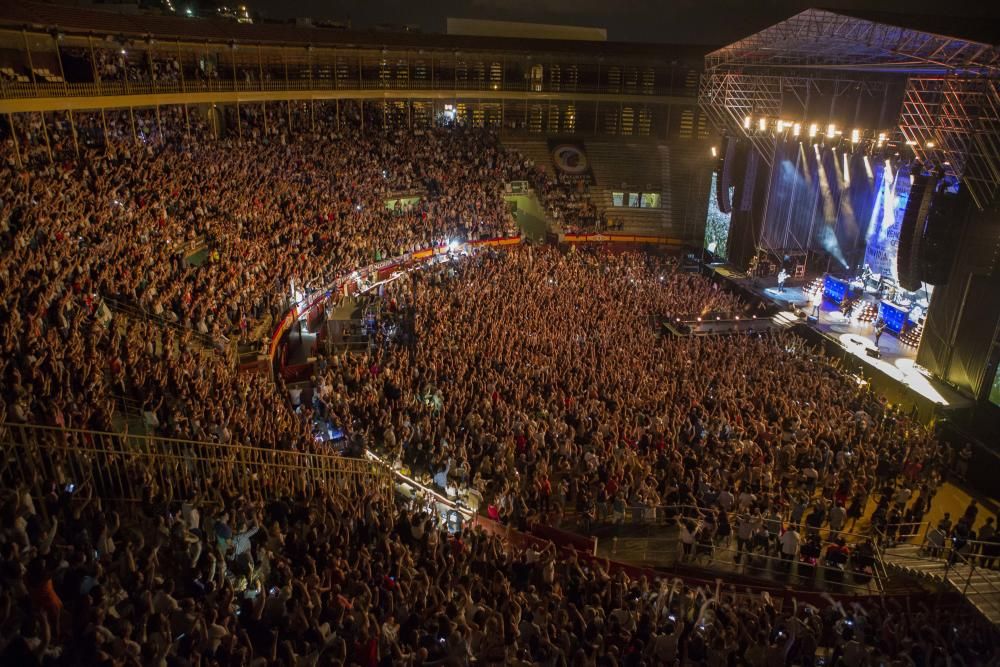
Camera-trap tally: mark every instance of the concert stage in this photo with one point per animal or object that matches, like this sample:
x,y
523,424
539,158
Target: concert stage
x,y
895,371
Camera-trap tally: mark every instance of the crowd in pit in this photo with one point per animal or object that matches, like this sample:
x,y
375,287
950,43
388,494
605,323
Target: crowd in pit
x,y
295,573
537,382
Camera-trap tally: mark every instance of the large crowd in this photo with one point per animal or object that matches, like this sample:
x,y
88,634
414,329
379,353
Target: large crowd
x,y
347,575
537,379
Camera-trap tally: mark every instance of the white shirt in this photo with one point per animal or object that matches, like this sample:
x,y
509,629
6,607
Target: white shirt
x,y
790,542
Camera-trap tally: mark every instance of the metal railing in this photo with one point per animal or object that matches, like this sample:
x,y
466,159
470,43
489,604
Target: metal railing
x,y
219,344
126,466
792,570
977,582
664,516
106,87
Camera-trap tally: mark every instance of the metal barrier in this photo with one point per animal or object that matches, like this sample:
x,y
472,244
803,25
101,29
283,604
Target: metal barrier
x,y
802,574
667,515
220,344
127,467
978,584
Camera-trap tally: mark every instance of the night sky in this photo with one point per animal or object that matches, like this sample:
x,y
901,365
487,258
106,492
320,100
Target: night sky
x,y
676,21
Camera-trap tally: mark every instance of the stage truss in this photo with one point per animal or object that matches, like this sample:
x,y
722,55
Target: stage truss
x,y
957,121
950,115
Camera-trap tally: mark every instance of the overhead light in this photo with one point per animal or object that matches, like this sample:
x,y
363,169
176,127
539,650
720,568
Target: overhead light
x,y
911,142
831,130
762,124
881,138
746,123
796,129
813,129
781,126
930,144
715,152
855,136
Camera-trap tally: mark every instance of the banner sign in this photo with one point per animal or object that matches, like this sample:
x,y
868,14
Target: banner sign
x,y
570,160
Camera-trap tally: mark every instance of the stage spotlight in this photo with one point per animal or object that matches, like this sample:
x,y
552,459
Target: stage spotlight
x,y
813,129
881,138
855,136
715,152
831,130
781,126
930,144
796,129
762,124
911,142
746,123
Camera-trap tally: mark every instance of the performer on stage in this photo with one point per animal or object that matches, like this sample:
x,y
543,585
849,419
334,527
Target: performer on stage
x,y
879,328
782,277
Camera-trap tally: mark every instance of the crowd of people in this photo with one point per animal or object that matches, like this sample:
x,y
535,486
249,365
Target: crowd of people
x,y
348,574
537,378
536,382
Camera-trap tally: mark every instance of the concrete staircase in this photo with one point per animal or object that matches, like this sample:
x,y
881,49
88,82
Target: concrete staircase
x,y
980,586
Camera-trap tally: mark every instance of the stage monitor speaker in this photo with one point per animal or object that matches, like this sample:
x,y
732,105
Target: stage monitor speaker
x,y
941,234
725,180
749,179
911,232
873,352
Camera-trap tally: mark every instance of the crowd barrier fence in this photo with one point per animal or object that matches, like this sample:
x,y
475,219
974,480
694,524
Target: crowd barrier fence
x,y
124,466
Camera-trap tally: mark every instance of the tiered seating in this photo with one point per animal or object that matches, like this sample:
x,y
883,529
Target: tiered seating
x,y
535,149
44,74
9,74
632,168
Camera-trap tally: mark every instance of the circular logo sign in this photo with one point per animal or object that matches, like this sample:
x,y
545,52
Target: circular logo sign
x,y
570,159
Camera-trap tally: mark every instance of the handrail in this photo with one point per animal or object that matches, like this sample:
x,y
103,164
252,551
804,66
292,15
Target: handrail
x,y
663,515
123,465
106,87
947,558
135,310
991,597
780,571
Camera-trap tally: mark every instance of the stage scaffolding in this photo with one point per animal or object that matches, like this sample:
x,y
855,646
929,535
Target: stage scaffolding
x,y
950,102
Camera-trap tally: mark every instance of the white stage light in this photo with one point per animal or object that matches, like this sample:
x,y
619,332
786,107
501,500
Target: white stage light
x,y
746,123
813,129
796,129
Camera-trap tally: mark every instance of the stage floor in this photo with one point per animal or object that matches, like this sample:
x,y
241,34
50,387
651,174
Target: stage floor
x,y
897,361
